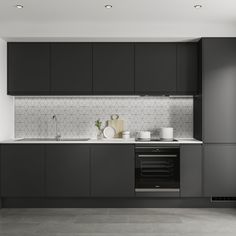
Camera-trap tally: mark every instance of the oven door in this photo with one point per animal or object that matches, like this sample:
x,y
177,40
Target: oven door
x,y
157,170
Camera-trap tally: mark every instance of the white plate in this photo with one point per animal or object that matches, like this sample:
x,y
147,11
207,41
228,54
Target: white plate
x,y
109,132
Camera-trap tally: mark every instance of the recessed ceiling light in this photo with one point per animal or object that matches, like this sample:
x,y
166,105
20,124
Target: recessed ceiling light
x,y
19,6
108,6
198,6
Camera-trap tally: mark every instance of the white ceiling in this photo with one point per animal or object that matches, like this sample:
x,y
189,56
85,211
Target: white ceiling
x,y
136,20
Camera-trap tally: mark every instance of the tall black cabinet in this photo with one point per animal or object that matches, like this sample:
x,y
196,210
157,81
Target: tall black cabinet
x,y
218,115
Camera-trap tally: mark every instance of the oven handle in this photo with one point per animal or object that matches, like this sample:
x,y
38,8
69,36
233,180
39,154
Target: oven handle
x,y
156,155
143,190
159,147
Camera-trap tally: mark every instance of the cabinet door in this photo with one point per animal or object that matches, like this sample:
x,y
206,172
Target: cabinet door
x,y
155,68
71,68
28,68
219,90
187,68
113,68
67,170
22,170
112,171
219,170
191,170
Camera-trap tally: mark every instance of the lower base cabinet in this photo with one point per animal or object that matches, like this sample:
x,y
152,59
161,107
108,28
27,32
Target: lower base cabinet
x,y
112,170
191,170
220,170
22,170
67,170
106,170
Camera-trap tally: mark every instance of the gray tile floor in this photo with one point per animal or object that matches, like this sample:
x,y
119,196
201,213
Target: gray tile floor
x,y
118,222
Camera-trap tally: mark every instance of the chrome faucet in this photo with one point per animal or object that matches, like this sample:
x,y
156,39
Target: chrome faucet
x,y
58,134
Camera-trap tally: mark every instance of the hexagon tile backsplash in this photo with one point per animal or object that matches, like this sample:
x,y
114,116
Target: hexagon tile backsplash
x,y
76,115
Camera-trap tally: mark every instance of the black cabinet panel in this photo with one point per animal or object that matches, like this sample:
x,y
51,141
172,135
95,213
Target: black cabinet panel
x,y
112,170
102,68
219,90
28,68
219,170
155,68
22,170
113,68
71,68
191,170
67,170
187,68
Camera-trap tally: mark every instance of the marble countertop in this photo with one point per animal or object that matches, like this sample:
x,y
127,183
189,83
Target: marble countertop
x,y
95,141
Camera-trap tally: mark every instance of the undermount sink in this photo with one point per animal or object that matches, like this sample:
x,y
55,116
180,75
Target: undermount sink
x,y
52,139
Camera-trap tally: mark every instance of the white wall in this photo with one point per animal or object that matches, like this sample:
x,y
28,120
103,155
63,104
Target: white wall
x,y
6,102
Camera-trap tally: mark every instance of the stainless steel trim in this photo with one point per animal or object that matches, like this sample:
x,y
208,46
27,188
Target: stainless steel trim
x,y
145,190
156,155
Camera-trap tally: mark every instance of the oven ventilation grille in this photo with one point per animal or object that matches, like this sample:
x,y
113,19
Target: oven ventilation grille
x,y
223,199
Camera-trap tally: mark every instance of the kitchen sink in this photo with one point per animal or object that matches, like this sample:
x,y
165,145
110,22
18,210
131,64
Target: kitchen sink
x,y
53,139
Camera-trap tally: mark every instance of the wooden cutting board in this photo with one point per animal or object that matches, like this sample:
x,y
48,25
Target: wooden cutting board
x,y
117,124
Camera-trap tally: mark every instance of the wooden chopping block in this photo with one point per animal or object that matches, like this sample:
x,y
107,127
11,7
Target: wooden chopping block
x,y
117,124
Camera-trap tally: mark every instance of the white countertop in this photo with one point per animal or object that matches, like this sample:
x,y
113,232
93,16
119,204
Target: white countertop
x,y
103,141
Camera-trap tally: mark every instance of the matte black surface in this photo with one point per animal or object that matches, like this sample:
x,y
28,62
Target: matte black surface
x,y
191,170
71,68
187,68
219,90
112,170
197,117
219,170
113,68
67,170
22,170
112,202
155,68
28,68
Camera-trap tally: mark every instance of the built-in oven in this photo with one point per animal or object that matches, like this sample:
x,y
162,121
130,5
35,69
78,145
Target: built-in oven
x,y
157,168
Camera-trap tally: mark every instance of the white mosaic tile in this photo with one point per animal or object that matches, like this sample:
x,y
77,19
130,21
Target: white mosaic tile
x,y
76,115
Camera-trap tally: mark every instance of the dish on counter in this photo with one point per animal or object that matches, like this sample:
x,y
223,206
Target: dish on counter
x,y
109,132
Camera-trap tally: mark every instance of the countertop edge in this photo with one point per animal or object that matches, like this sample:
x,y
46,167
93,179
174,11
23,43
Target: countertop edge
x,y
180,141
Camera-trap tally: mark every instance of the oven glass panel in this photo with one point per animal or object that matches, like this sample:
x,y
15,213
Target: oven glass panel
x,y
157,170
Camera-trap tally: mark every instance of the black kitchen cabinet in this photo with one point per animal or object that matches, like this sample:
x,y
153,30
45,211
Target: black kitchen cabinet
x,y
67,170
22,170
219,170
219,90
155,68
187,68
28,68
112,170
113,68
102,68
71,68
191,170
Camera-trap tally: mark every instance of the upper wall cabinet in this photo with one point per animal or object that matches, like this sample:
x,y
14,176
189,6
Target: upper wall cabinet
x,y
113,68
28,68
155,68
71,68
102,68
187,68
219,90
